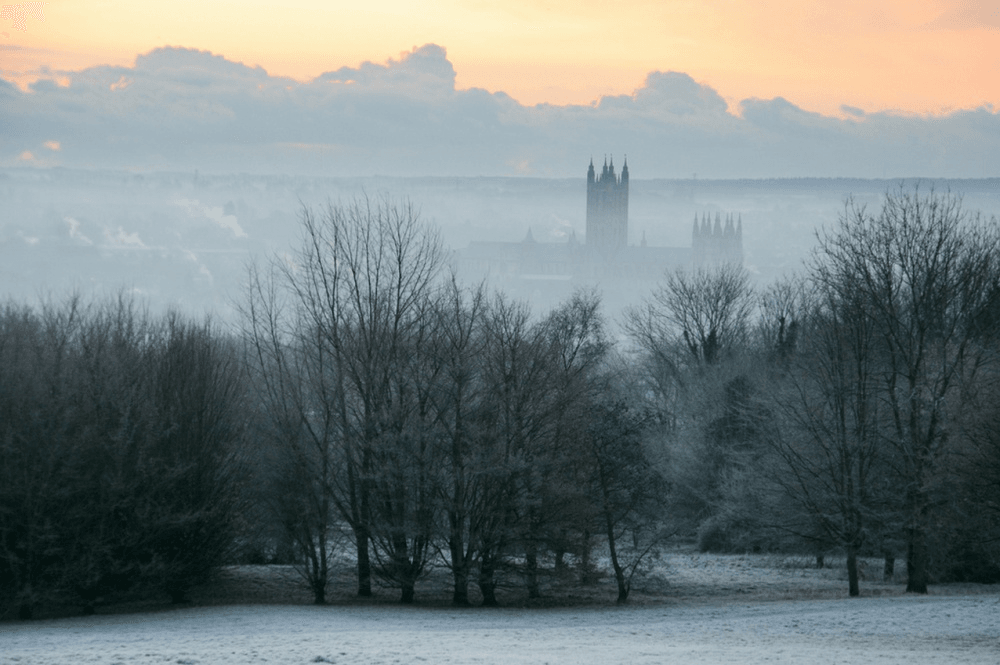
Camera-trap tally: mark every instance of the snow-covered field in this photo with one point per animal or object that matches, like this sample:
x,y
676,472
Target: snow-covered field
x,y
712,609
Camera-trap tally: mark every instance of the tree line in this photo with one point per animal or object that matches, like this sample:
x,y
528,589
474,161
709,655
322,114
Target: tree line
x,y
435,422
851,408
120,442
369,406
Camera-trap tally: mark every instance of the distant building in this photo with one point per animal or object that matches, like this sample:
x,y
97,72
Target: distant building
x,y
715,244
605,254
607,207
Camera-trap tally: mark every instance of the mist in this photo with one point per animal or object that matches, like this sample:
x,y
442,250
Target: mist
x,y
183,239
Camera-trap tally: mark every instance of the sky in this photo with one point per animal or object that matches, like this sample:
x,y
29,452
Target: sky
x,y
718,88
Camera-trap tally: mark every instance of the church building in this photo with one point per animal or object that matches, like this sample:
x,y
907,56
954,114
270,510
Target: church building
x,y
604,256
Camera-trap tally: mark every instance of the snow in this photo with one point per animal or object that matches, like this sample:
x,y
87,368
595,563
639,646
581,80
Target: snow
x,y
873,630
705,609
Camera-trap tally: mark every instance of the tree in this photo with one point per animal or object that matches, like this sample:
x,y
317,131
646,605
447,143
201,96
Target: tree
x,y
516,426
830,454
353,306
119,452
708,309
689,335
692,335
629,491
298,406
926,274
458,404
34,363
196,452
783,307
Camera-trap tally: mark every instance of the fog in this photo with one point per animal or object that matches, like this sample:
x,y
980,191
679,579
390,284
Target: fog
x,y
183,239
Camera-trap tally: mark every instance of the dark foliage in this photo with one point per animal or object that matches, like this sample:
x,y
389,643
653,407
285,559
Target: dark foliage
x,y
119,449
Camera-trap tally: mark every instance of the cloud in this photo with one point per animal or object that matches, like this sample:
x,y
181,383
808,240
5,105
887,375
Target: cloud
x,y
184,109
673,93
424,71
52,145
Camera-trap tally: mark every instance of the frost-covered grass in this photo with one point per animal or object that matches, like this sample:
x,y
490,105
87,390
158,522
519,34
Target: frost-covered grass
x,y
691,608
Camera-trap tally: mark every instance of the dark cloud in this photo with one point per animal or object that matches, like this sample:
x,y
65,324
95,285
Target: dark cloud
x,y
186,109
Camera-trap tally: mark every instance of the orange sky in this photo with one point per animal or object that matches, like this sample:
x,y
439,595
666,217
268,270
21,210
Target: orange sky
x,y
915,56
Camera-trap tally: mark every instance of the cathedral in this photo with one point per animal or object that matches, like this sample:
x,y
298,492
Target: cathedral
x,y
713,244
605,255
607,206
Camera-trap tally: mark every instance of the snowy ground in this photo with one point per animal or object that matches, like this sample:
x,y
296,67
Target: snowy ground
x,y
705,609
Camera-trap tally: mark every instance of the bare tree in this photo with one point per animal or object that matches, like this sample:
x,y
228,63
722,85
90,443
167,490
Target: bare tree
x,y
629,491
458,404
783,307
356,298
708,309
927,273
830,454
297,402
516,426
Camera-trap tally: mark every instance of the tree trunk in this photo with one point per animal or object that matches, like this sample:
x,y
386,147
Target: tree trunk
x,y
889,569
852,571
406,597
586,566
916,561
318,574
531,564
619,573
319,592
820,560
460,571
487,585
178,594
459,563
364,563
560,559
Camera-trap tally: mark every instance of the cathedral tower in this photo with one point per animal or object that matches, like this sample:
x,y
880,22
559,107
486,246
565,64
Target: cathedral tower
x,y
717,244
607,207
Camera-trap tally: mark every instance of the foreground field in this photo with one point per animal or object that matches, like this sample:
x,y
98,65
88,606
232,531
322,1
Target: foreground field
x,y
872,630
698,609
